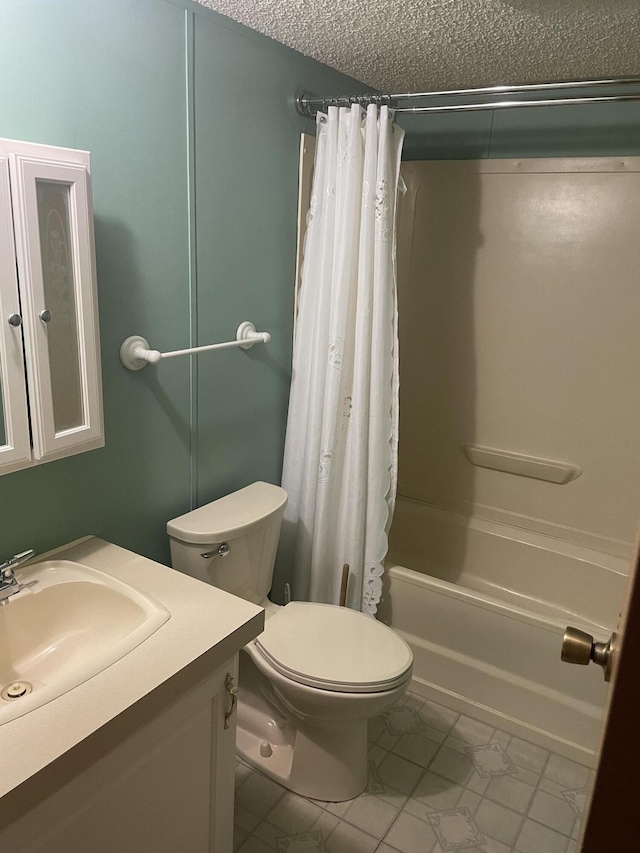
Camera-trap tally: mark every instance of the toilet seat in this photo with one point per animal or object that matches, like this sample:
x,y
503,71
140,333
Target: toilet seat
x,y
334,648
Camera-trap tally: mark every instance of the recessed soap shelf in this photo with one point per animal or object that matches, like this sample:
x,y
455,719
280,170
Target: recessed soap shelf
x,y
525,466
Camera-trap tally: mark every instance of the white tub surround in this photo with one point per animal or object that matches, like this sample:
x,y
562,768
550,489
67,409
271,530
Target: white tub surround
x,y
142,743
521,567
484,607
519,471
518,349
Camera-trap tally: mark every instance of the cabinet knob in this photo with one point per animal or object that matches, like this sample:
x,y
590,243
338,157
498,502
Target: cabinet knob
x,y
45,315
15,320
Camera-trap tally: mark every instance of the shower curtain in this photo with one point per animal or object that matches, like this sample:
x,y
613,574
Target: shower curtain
x,y
340,462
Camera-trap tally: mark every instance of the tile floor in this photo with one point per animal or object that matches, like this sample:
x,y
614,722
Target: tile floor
x,y
438,781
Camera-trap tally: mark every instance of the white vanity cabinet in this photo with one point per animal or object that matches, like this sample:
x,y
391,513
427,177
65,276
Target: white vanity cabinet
x,y
50,382
140,757
158,779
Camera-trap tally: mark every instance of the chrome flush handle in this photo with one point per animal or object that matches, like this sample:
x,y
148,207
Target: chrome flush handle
x,y
221,551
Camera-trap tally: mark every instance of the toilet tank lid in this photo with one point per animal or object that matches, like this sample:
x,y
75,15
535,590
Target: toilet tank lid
x,y
229,516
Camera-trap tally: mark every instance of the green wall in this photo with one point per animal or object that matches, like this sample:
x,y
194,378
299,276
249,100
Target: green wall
x,y
188,118
194,144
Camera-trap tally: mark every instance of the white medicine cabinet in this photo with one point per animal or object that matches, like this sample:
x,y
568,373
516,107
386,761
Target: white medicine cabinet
x,y
50,381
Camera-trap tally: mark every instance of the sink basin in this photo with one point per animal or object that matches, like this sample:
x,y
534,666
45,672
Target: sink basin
x,y
67,624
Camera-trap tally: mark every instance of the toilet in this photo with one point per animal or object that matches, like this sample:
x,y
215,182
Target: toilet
x,y
311,681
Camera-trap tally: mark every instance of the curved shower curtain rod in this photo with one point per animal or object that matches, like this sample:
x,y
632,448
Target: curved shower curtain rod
x,y
308,105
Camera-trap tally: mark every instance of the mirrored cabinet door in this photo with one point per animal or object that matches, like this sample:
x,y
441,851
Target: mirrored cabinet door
x,y
54,239
15,448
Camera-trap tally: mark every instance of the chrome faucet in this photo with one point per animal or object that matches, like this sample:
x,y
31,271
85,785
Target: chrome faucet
x,y
9,584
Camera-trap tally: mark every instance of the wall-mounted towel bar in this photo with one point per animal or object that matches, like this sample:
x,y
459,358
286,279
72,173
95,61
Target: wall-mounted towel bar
x,y
135,353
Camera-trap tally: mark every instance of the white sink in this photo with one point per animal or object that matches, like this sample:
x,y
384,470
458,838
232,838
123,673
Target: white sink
x,y
67,624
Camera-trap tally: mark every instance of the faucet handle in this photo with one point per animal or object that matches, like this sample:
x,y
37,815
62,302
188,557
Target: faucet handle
x,y
7,568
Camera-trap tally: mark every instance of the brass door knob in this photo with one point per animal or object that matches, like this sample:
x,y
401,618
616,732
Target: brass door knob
x,y
579,647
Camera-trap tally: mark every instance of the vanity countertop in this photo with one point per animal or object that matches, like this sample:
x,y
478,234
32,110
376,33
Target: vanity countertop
x,y
204,620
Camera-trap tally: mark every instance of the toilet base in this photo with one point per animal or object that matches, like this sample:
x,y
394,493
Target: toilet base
x,y
321,763
323,759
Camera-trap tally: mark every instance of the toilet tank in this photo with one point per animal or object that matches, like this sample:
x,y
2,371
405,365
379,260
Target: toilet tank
x,y
247,522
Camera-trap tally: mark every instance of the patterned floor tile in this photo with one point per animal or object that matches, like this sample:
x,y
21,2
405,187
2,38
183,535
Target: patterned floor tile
x,y
245,819
416,748
258,795
437,792
377,754
438,782
254,845
470,800
348,839
402,720
551,788
372,815
268,834
306,842
472,732
326,824
294,814
500,737
511,793
535,838
243,771
567,773
375,728
399,774
456,829
387,741
552,812
527,755
458,768
409,834
526,776
374,782
239,836
438,716
577,799
412,699
338,809
490,760
498,822
491,846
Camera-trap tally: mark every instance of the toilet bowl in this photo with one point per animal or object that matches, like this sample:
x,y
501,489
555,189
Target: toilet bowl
x,y
311,681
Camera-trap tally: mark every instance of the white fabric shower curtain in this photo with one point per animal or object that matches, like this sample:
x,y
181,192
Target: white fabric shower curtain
x,y
340,462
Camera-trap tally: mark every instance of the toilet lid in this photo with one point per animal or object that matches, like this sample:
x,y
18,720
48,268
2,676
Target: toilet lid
x,y
334,648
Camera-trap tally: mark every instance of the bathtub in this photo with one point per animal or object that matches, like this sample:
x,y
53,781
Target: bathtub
x,y
484,606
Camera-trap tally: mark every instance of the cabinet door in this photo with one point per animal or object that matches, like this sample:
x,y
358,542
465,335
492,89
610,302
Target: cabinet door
x,y
56,271
157,779
15,448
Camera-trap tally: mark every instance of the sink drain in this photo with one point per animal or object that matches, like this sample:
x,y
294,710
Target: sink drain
x,y
16,690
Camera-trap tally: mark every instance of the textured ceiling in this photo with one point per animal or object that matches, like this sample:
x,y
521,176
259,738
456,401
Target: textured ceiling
x,y
411,45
